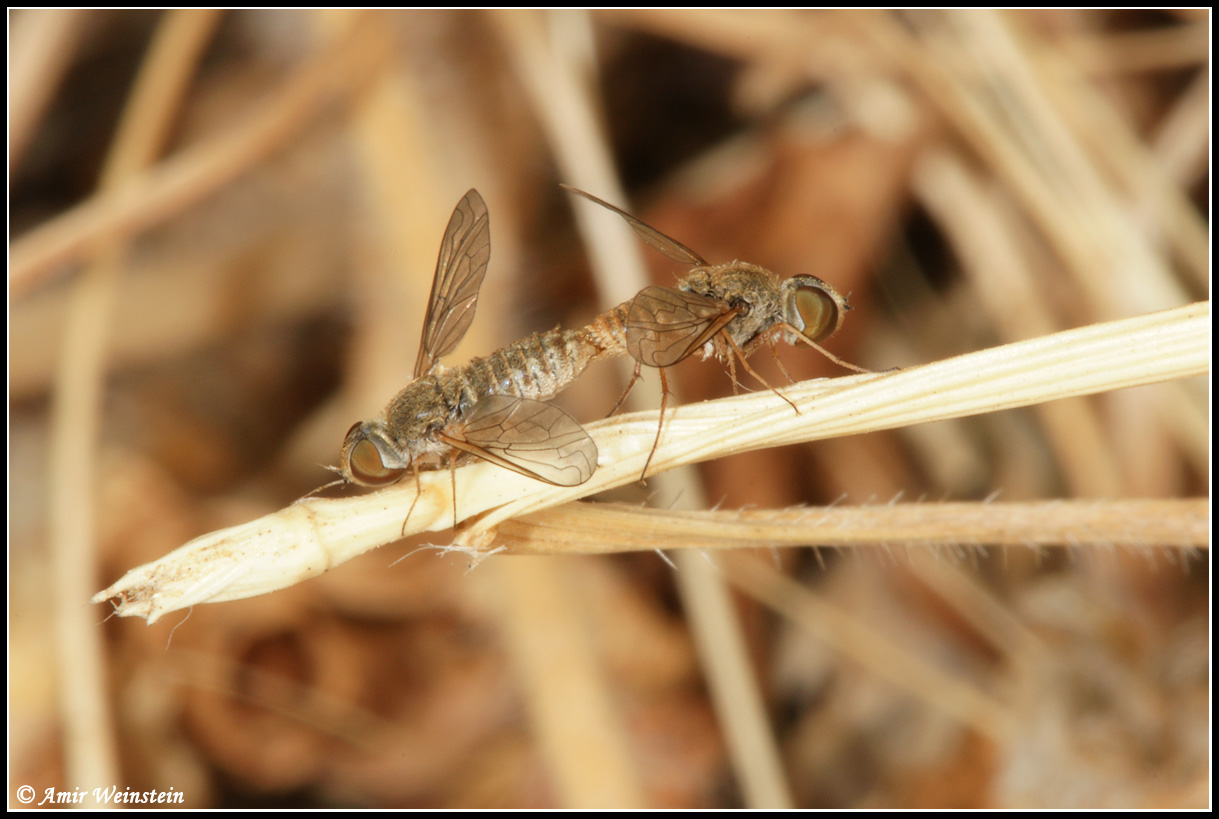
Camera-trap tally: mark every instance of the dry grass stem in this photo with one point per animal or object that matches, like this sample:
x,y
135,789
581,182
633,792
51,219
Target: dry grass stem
x,y
310,537
879,654
80,382
41,46
161,192
607,528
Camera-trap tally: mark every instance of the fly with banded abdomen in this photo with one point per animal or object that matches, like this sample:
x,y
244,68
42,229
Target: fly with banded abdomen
x,y
492,408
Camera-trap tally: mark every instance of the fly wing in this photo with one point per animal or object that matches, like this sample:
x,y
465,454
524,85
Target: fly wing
x,y
465,251
672,248
665,326
534,438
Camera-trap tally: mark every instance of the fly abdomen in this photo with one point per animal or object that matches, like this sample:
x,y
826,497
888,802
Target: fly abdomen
x,y
536,367
607,332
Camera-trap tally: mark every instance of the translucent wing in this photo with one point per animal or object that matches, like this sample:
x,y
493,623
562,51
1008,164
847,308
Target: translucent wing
x,y
664,326
670,247
464,254
534,438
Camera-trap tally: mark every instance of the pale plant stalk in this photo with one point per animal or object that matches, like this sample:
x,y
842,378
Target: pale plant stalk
x,y
608,528
310,537
88,734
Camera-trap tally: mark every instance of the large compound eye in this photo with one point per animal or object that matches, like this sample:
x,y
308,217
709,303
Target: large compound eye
x,y
820,309
366,468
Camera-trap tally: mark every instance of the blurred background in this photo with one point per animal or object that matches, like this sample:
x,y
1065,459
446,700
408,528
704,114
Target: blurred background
x,y
223,229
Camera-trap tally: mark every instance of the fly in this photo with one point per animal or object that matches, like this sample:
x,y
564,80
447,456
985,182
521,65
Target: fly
x,y
726,311
493,407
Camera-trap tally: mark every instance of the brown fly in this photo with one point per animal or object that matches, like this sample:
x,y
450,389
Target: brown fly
x,y
726,311
493,407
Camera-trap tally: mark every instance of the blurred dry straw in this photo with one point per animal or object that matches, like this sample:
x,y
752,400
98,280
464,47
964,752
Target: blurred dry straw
x,y
972,178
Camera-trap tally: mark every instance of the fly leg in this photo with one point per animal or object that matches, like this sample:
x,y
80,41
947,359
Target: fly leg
x,y
453,484
806,340
630,386
774,353
418,493
737,386
755,374
664,400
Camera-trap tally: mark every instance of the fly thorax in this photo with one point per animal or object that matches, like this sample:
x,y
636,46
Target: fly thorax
x,y
425,405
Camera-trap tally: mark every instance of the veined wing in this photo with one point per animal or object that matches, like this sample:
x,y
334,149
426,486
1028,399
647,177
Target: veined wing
x,y
665,326
465,251
670,247
534,438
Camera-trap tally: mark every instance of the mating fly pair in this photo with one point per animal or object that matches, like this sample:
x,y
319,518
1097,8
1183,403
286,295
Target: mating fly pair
x,y
494,407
